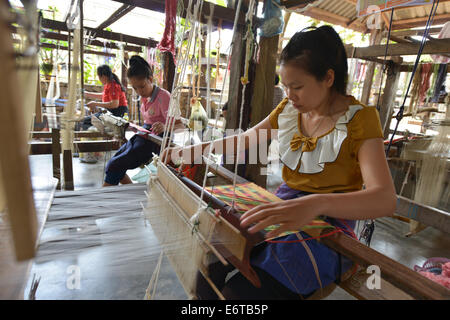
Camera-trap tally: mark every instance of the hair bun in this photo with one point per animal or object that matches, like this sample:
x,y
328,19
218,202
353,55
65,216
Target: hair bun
x,y
135,61
139,67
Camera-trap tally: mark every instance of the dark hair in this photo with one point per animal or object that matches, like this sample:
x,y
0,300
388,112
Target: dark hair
x,y
139,68
105,70
317,50
277,79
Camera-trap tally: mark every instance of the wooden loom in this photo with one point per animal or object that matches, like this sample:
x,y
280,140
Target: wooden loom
x,y
172,204
189,230
219,234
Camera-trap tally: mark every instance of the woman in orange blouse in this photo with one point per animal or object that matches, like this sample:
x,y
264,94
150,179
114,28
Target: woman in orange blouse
x,y
113,98
330,145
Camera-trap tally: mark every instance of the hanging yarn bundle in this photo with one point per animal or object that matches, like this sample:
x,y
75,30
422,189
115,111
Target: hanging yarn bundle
x,y
167,43
198,120
433,172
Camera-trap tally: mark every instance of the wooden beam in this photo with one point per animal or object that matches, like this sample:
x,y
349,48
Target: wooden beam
x,y
296,4
419,22
77,134
56,159
399,39
169,71
220,13
41,147
68,170
375,39
420,32
321,14
409,68
54,46
437,46
97,43
59,25
388,97
235,86
262,99
119,13
406,279
427,215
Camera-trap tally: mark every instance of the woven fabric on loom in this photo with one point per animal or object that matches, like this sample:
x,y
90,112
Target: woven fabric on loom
x,y
250,195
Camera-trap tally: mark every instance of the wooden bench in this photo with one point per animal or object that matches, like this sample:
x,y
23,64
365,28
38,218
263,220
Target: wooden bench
x,y
53,147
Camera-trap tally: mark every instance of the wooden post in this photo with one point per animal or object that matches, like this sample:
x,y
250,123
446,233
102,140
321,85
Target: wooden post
x,y
169,71
375,38
14,166
124,70
387,100
56,158
38,109
68,170
262,98
235,86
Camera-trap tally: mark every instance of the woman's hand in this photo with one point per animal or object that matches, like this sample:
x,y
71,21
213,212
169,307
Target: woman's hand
x,y
158,127
290,215
92,105
179,156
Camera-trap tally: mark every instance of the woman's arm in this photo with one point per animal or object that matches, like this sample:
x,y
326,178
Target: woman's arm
x,y
159,127
113,104
378,199
93,95
192,154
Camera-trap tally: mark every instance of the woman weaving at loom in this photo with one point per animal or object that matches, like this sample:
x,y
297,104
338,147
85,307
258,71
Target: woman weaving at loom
x,y
154,107
330,145
113,96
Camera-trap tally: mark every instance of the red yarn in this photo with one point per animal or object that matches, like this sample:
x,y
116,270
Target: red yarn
x,y
167,43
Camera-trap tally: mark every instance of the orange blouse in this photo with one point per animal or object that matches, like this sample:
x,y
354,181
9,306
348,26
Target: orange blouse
x,y
327,163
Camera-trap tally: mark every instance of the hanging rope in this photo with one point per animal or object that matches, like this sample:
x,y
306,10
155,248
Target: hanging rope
x,y
244,81
218,45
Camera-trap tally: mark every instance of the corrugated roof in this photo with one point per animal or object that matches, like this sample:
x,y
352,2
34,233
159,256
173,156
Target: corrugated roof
x,y
343,12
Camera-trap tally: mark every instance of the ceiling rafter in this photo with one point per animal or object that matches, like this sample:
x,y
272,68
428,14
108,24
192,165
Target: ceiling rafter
x,y
59,25
119,13
226,15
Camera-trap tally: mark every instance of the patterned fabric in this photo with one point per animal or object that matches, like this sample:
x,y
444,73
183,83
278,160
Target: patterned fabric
x,y
250,195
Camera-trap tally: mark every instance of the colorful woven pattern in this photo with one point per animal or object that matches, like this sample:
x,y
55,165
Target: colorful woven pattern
x,y
250,195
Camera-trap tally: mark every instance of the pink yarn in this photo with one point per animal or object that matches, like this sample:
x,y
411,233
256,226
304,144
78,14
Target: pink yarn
x,y
446,270
442,279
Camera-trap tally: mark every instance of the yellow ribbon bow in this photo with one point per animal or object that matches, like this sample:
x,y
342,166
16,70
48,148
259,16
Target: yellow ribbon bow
x,y
307,143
